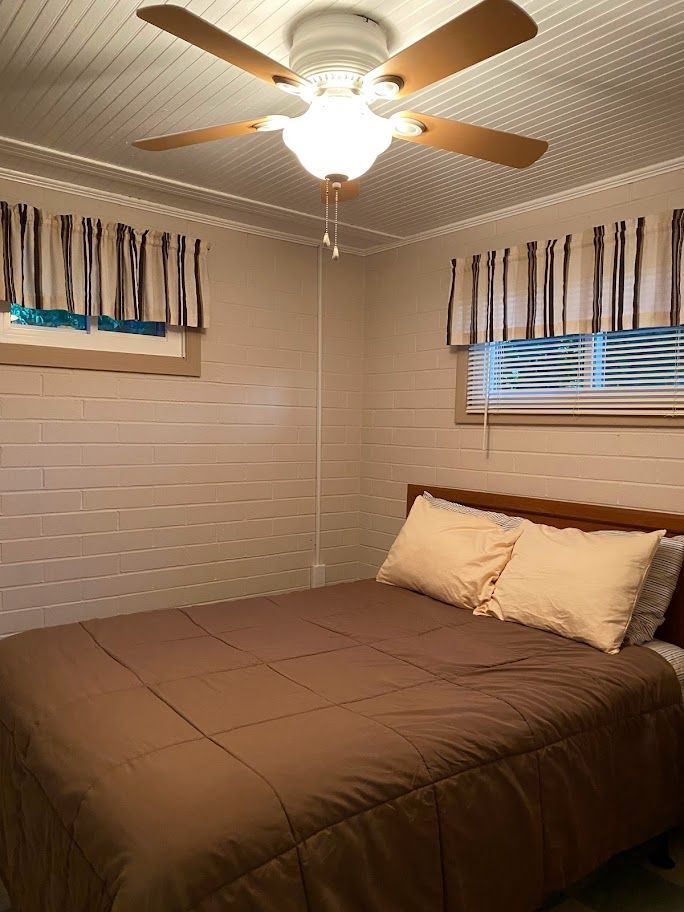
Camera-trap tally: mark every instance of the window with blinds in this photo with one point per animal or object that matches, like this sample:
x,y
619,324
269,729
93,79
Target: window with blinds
x,y
637,372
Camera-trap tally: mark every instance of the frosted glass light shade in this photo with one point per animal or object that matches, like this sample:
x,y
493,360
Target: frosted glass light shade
x,y
339,134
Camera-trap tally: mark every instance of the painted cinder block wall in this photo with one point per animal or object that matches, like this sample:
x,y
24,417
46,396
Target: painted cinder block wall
x,y
409,431
123,492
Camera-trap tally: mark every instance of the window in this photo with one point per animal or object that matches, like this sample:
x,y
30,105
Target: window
x,y
59,338
61,328
637,375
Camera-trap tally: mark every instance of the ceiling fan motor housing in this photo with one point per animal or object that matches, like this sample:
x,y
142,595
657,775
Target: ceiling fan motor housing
x,y
331,42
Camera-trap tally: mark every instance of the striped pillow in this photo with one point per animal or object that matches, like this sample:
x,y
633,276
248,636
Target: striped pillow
x,y
657,593
659,586
501,519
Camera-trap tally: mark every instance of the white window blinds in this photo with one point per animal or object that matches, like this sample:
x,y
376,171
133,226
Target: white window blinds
x,y
637,372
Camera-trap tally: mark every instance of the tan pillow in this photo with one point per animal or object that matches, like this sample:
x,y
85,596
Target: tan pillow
x,y
578,584
452,557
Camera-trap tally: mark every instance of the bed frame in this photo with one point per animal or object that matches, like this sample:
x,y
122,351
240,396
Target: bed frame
x,y
590,517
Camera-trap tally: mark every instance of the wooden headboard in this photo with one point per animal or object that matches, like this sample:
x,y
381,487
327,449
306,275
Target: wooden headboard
x,y
591,517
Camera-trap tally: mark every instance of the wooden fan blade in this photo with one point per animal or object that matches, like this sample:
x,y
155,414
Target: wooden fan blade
x,y
183,24
194,137
348,191
478,142
481,32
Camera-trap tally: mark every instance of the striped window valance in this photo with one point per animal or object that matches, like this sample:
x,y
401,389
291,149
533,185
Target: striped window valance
x,y
623,275
87,266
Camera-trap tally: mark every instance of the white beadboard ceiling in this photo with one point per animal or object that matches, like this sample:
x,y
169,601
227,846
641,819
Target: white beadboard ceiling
x,y
603,82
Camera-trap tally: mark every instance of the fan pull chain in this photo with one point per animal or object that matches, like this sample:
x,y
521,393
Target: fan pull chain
x,y
336,252
326,236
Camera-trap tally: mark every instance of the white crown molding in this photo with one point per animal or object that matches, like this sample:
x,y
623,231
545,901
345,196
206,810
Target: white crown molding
x,y
133,180
146,205
610,183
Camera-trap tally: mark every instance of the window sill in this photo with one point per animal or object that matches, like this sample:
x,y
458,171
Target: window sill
x,y
187,365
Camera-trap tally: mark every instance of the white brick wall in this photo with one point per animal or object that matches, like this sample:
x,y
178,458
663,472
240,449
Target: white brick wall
x,y
409,435
122,492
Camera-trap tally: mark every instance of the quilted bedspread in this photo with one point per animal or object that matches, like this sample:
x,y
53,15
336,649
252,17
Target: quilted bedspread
x,y
357,748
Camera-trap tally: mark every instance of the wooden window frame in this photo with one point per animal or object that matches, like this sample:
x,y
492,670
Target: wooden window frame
x,y
496,419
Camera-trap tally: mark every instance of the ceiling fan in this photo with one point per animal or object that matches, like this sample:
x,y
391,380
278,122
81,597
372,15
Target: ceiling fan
x,y
339,67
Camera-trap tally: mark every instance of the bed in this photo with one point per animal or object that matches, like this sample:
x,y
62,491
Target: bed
x,y
357,747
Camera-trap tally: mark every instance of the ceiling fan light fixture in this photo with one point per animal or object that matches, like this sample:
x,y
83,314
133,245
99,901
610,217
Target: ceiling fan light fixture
x,y
339,66
386,87
339,134
290,86
335,81
271,123
407,126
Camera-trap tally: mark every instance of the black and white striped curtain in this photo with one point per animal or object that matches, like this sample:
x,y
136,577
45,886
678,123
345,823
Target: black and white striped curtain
x,y
624,275
91,267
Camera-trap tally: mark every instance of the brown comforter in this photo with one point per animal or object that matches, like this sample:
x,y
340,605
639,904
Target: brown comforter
x,y
358,748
